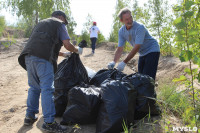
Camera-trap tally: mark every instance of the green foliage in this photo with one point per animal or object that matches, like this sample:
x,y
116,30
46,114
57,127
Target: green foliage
x,y
128,47
185,55
116,23
136,10
180,23
85,31
161,24
84,36
33,11
26,25
178,103
101,38
166,41
187,36
9,42
2,24
39,9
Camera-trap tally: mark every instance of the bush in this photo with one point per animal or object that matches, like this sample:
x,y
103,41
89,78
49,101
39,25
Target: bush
x,y
25,25
2,25
101,38
85,36
178,103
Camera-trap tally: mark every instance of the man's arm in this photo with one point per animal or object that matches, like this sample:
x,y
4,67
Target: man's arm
x,y
69,46
132,53
118,54
122,64
64,36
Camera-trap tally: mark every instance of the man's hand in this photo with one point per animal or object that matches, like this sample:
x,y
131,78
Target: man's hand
x,y
111,65
80,50
121,66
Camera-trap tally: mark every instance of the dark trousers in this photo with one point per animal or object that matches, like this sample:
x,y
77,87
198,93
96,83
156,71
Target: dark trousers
x,y
148,64
93,41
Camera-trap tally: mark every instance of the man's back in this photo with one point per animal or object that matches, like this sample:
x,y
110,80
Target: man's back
x,y
94,31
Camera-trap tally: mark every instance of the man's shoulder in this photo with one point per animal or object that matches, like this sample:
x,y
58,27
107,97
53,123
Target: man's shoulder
x,y
62,27
122,29
138,25
96,27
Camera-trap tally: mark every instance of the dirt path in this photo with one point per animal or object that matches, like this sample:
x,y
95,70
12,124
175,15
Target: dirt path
x,y
13,85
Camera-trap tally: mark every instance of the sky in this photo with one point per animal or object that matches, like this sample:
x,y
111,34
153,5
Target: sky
x,y
100,10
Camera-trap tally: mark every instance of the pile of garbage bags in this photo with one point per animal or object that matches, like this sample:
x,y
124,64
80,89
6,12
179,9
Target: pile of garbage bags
x,y
70,73
108,98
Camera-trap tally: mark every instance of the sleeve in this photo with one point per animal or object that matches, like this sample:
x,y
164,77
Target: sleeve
x,y
63,33
140,34
121,40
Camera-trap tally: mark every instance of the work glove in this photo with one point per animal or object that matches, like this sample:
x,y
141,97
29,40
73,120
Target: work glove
x,y
80,50
121,66
66,54
111,65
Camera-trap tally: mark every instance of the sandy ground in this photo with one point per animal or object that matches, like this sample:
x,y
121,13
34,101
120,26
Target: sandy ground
x,y
13,84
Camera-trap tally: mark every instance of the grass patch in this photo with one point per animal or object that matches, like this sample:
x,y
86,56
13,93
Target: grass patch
x,y
178,104
173,104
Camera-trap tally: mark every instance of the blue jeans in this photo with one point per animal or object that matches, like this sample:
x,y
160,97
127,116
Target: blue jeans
x,y
41,80
93,41
148,64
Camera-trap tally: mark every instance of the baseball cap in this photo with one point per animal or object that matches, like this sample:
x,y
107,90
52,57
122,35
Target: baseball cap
x,y
60,13
95,23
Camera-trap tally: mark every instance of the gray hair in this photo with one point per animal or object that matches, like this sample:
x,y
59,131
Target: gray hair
x,y
123,11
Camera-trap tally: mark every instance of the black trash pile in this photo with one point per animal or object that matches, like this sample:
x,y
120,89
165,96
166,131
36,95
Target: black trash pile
x,y
109,99
70,73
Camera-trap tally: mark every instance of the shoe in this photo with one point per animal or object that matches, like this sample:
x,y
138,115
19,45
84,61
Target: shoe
x,y
29,120
54,128
156,84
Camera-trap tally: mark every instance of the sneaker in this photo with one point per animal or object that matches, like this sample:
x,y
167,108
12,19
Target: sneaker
x,y
156,84
29,120
54,128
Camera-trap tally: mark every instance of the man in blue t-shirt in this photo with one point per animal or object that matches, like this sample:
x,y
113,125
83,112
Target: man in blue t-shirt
x,y
138,36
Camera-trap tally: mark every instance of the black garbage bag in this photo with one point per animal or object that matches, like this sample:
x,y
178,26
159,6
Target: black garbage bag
x,y
82,44
83,105
60,102
117,107
146,94
70,73
104,74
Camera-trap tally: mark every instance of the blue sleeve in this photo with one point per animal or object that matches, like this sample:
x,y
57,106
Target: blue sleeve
x,y
121,40
63,33
140,34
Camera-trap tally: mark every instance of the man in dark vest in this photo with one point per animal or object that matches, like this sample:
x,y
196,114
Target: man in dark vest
x,y
39,58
